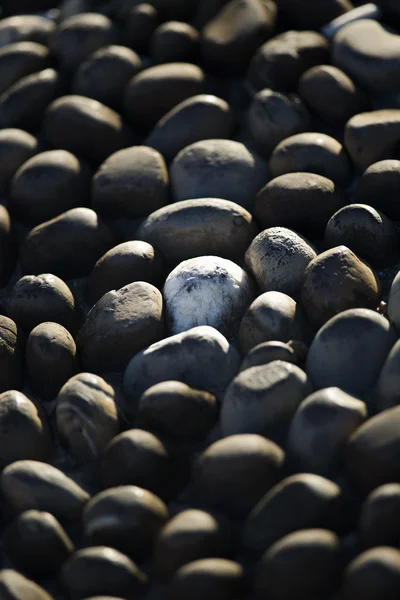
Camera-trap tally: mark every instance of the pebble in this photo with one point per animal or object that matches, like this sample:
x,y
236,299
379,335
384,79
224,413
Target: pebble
x,y
132,182
320,430
370,137
24,431
349,351
125,263
229,40
377,187
317,503
312,13
373,575
386,393
278,257
141,21
190,536
86,416
234,473
152,93
335,281
273,116
178,411
301,201
393,308
33,485
36,299
213,578
16,147
25,102
312,152
12,345
280,573
20,59
25,28
127,518
48,248
15,586
102,570
268,352
281,61
218,169
207,290
371,453
174,41
331,94
78,36
119,325
378,522
201,357
263,400
366,231
200,117
105,74
37,543
204,227
50,358
368,51
8,246
55,174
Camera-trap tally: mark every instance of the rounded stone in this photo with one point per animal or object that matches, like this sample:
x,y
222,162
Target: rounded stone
x,y
298,502
127,518
335,281
379,523
213,578
119,325
25,28
312,13
278,257
263,400
312,152
36,299
174,41
86,416
34,485
8,246
140,22
130,183
301,201
280,573
394,302
125,263
206,226
20,59
50,358
47,185
373,575
234,473
218,169
268,352
16,147
178,410
377,187
48,248
386,393
207,290
191,535
349,351
12,343
198,118
15,586
320,430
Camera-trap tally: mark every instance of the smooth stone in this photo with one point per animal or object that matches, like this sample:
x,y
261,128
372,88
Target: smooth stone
x,y
301,201
130,183
205,226
278,257
379,517
312,13
12,345
263,400
312,152
320,430
174,41
198,118
268,352
34,485
335,281
8,245
349,351
393,308
280,62
207,290
373,136
14,586
234,473
373,575
378,187
26,28
387,391
20,59
48,248
151,94
139,25
218,169
301,501
201,357
16,147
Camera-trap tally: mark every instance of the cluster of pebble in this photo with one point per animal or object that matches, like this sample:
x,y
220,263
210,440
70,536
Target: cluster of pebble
x,y
200,313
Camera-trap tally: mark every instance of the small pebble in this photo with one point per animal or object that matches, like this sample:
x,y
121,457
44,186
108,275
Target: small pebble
x,y
15,586
20,59
373,575
387,392
174,41
141,21
16,147
379,523
26,28
378,187
267,352
12,345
